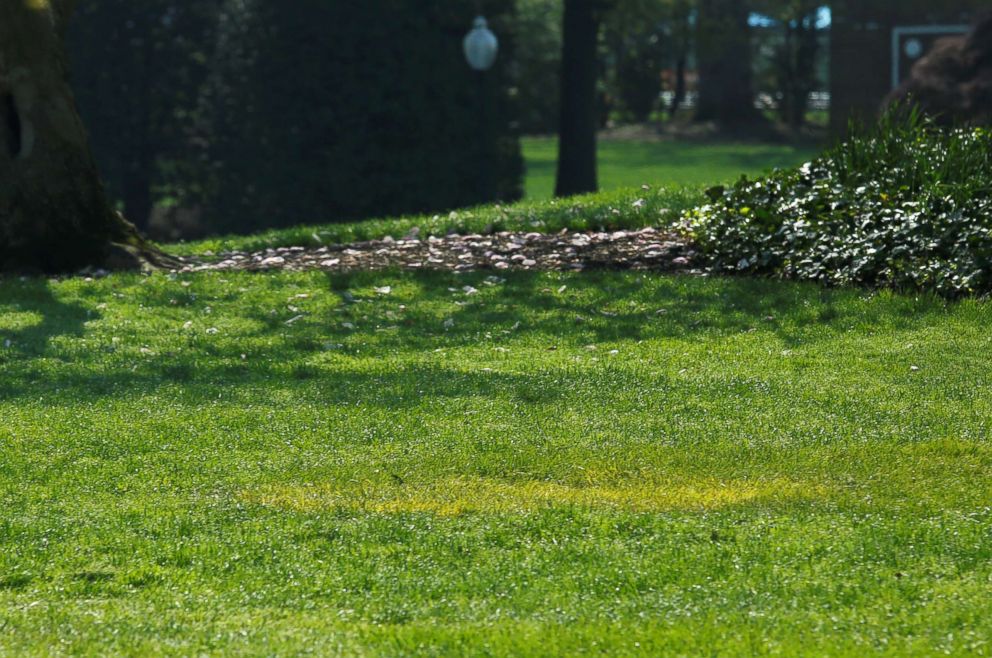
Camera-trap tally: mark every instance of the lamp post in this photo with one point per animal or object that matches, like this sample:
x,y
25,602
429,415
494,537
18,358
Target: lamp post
x,y
481,47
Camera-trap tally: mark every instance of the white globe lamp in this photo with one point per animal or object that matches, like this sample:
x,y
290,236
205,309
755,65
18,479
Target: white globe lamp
x,y
481,46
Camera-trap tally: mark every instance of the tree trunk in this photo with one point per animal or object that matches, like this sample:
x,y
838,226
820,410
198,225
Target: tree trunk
x,y
679,96
723,44
807,49
682,13
577,131
54,214
788,76
795,63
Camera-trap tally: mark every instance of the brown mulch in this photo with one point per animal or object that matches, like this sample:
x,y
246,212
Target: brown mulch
x,y
646,248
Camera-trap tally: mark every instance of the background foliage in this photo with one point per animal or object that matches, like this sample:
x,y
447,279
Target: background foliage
x,y
281,113
351,122
537,65
137,70
236,115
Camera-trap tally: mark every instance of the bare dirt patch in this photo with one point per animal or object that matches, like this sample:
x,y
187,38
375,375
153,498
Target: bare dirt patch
x,y
647,248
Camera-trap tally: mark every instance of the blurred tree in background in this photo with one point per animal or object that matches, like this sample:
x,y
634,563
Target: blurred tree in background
x,y
319,111
637,49
793,57
641,43
723,52
243,114
137,70
536,69
262,113
681,33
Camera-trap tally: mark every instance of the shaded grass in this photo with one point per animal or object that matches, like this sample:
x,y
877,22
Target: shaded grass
x,y
616,462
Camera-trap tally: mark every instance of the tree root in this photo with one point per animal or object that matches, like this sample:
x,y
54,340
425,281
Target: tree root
x,y
132,251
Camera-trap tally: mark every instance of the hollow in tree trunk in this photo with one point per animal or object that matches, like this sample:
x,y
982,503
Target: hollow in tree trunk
x,y
54,213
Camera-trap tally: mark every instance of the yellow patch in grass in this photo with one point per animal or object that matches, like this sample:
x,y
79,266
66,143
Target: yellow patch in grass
x,y
463,495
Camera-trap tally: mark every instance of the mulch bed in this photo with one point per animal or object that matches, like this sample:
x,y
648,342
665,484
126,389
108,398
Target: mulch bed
x,y
646,248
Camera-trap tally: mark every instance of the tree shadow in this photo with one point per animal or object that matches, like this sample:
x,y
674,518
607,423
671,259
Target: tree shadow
x,y
315,360
31,316
597,307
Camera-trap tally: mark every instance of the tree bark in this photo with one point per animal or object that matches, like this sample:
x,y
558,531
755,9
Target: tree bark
x,y
723,45
679,95
577,132
54,214
682,32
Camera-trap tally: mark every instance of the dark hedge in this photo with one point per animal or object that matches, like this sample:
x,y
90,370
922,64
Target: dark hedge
x,y
137,69
330,111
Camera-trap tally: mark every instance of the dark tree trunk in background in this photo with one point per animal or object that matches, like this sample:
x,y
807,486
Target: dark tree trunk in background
x,y
678,97
723,46
682,33
577,132
54,214
796,66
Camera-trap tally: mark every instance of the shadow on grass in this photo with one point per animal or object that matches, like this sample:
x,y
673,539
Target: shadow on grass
x,y
43,317
601,306
528,308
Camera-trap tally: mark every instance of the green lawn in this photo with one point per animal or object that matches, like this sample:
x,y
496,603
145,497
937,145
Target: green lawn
x,y
632,164
610,463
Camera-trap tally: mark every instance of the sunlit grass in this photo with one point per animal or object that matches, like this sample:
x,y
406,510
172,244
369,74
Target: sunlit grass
x,y
529,464
461,495
13,320
630,164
